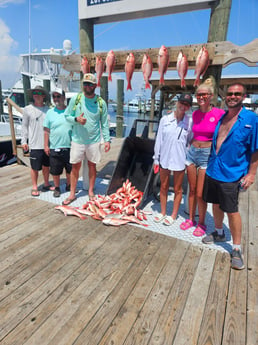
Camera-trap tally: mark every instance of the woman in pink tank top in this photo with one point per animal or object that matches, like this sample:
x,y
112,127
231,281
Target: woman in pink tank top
x,y
205,120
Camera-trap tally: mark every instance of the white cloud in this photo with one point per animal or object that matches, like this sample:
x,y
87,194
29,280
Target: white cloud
x,y
5,3
9,64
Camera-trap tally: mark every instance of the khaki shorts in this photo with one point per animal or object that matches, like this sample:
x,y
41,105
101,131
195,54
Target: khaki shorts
x,y
80,151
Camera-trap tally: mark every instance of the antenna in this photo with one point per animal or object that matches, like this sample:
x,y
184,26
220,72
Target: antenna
x,y
29,33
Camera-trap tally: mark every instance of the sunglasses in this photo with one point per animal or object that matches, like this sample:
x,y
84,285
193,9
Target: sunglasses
x,y
199,95
237,94
185,104
88,84
39,93
56,96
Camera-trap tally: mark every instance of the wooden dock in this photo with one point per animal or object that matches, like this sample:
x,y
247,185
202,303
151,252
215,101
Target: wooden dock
x,y
67,281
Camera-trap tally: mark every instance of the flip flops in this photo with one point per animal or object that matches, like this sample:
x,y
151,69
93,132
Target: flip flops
x,y
159,218
34,192
68,201
187,224
168,220
200,230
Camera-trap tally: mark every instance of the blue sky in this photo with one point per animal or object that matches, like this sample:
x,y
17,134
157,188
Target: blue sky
x,y
52,22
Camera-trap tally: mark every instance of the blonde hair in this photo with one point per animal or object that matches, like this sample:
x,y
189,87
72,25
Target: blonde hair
x,y
208,84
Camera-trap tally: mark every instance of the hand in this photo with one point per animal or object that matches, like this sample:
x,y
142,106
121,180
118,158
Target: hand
x,y
81,119
47,150
25,147
106,146
247,181
156,168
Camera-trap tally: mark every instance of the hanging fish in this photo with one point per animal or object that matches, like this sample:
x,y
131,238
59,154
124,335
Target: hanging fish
x,y
129,69
163,61
85,66
110,63
182,67
99,68
147,68
202,63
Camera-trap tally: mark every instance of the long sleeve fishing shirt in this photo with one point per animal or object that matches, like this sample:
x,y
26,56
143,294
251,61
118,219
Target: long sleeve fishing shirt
x,y
32,126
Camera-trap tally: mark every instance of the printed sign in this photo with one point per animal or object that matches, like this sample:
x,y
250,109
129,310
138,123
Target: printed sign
x,y
98,2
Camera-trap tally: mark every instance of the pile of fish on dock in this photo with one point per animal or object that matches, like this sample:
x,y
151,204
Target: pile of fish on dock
x,y
202,63
115,209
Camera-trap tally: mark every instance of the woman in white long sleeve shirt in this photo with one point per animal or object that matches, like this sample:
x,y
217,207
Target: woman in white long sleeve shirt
x,y
173,137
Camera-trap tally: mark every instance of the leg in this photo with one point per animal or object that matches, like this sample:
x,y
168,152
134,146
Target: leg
x,y
34,178
164,185
45,172
235,225
218,216
74,179
202,205
178,181
192,178
92,177
68,179
56,179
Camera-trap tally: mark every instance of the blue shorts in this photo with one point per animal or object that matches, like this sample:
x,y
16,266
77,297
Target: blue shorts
x,y
198,157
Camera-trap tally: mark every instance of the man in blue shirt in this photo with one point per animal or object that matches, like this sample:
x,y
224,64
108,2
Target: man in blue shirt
x,y
232,165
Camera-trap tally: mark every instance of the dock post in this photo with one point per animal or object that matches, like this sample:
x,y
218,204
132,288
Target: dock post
x,y
1,100
46,85
26,86
104,88
119,111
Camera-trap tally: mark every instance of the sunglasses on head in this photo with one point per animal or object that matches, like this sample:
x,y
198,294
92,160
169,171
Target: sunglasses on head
x,y
56,96
88,84
237,94
199,95
40,93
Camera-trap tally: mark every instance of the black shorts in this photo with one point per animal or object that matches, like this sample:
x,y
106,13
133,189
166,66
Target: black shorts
x,y
223,193
38,158
59,159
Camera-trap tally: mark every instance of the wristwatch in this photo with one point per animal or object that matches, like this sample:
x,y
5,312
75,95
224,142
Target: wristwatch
x,y
75,119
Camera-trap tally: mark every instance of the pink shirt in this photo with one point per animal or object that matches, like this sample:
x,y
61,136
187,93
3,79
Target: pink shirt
x,y
204,124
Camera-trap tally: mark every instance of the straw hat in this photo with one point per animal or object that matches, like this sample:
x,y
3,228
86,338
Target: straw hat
x,y
38,88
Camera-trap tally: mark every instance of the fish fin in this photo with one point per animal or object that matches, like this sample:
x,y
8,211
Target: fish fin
x,y
129,86
98,85
109,77
196,82
147,85
161,81
183,85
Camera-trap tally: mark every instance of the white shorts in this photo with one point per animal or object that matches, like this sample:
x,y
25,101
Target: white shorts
x,y
80,151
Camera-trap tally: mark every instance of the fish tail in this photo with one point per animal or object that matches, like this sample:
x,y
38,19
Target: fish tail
x,y
109,77
161,81
98,85
129,86
147,85
197,81
183,85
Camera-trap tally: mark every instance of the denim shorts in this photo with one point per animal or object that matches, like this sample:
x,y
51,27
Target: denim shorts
x,y
198,156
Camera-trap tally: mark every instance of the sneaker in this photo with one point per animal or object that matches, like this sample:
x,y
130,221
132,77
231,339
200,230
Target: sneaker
x,y
237,261
214,237
57,192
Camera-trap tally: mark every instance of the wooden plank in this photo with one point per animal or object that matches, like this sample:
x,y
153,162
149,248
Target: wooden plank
x,y
252,283
100,273
220,53
189,326
235,320
214,313
173,308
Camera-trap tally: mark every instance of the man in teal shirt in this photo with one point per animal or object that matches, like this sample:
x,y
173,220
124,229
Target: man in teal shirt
x,y
87,112
57,140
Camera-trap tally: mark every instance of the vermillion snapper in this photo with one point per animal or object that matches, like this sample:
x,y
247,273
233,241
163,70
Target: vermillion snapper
x,y
85,67
129,69
163,61
202,63
147,68
99,68
110,63
182,67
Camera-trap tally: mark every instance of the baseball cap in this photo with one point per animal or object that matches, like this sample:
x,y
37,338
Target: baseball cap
x,y
186,97
89,78
58,90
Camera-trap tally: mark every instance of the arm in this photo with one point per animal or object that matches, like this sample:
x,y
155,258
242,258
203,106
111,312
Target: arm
x,y
46,140
25,130
105,126
158,143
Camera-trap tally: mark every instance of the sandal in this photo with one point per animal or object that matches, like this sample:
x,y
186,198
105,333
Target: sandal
x,y
187,224
168,221
159,218
200,230
46,188
34,192
68,201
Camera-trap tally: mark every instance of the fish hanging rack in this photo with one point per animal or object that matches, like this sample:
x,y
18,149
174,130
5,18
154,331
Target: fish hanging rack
x,y
221,53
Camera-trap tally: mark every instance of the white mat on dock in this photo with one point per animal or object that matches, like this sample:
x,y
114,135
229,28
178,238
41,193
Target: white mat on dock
x,y
153,206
